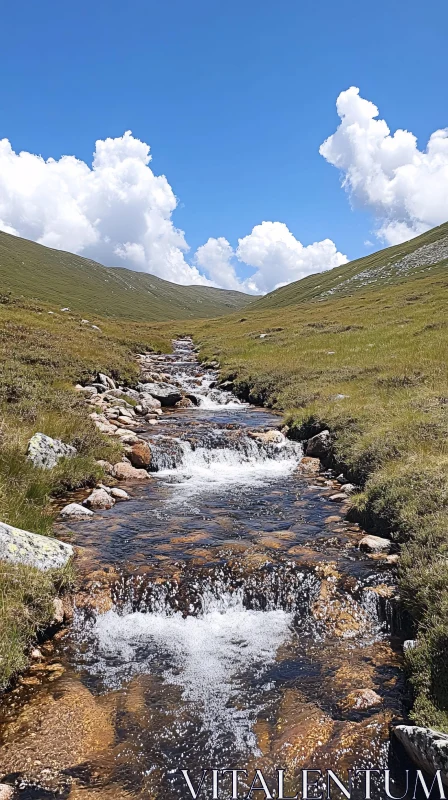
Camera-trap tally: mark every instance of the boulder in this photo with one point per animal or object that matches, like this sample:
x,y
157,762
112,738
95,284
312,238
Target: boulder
x,y
6,791
119,494
166,393
106,381
375,544
309,466
126,472
45,452
75,511
426,747
319,446
32,549
349,489
185,402
140,454
99,499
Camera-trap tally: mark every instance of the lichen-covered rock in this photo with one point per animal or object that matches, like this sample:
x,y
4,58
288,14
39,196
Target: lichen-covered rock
x,y
166,393
32,549
99,499
426,747
45,452
76,511
375,544
6,791
140,454
319,446
126,472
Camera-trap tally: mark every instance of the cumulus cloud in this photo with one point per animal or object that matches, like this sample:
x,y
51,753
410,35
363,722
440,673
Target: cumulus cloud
x,y
406,188
273,251
117,211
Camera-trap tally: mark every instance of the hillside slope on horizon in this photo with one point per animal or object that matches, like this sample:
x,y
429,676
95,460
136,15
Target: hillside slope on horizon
x,y
389,266
65,279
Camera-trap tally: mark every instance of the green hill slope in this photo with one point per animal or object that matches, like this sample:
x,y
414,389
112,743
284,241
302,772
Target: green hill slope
x,y
54,276
386,267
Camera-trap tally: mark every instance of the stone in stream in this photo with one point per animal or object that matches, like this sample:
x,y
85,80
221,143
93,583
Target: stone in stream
x,y
119,494
267,437
126,472
140,454
426,747
45,452
375,544
166,393
99,499
319,446
360,700
75,511
309,466
339,497
32,549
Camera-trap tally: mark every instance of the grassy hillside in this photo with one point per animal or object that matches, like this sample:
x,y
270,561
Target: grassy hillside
x,y
64,279
42,357
373,368
385,268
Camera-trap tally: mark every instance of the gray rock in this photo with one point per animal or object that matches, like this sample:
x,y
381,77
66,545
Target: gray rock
x,y
32,549
58,611
166,393
99,499
106,381
75,511
6,791
375,544
409,644
45,452
349,488
319,446
426,747
120,494
148,402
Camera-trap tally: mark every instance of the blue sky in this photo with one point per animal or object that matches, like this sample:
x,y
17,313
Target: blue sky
x,y
234,99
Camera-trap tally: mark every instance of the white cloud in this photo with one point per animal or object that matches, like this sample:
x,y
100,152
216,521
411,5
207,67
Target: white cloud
x,y
273,251
406,188
117,212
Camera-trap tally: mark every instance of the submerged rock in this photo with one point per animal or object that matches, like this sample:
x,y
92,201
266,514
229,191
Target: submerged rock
x,y
319,446
426,747
45,452
375,544
32,549
166,393
309,466
360,700
75,511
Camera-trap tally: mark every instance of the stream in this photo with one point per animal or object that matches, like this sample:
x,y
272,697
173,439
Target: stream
x,y
226,619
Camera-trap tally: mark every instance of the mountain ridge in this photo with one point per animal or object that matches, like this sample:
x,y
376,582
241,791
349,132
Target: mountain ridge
x,y
65,279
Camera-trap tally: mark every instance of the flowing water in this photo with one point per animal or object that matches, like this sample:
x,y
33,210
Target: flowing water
x,y
227,619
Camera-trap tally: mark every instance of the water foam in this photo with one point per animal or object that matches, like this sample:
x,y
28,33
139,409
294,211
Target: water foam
x,y
209,656
247,464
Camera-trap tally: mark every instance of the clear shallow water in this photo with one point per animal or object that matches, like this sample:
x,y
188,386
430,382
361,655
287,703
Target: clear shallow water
x,y
243,613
